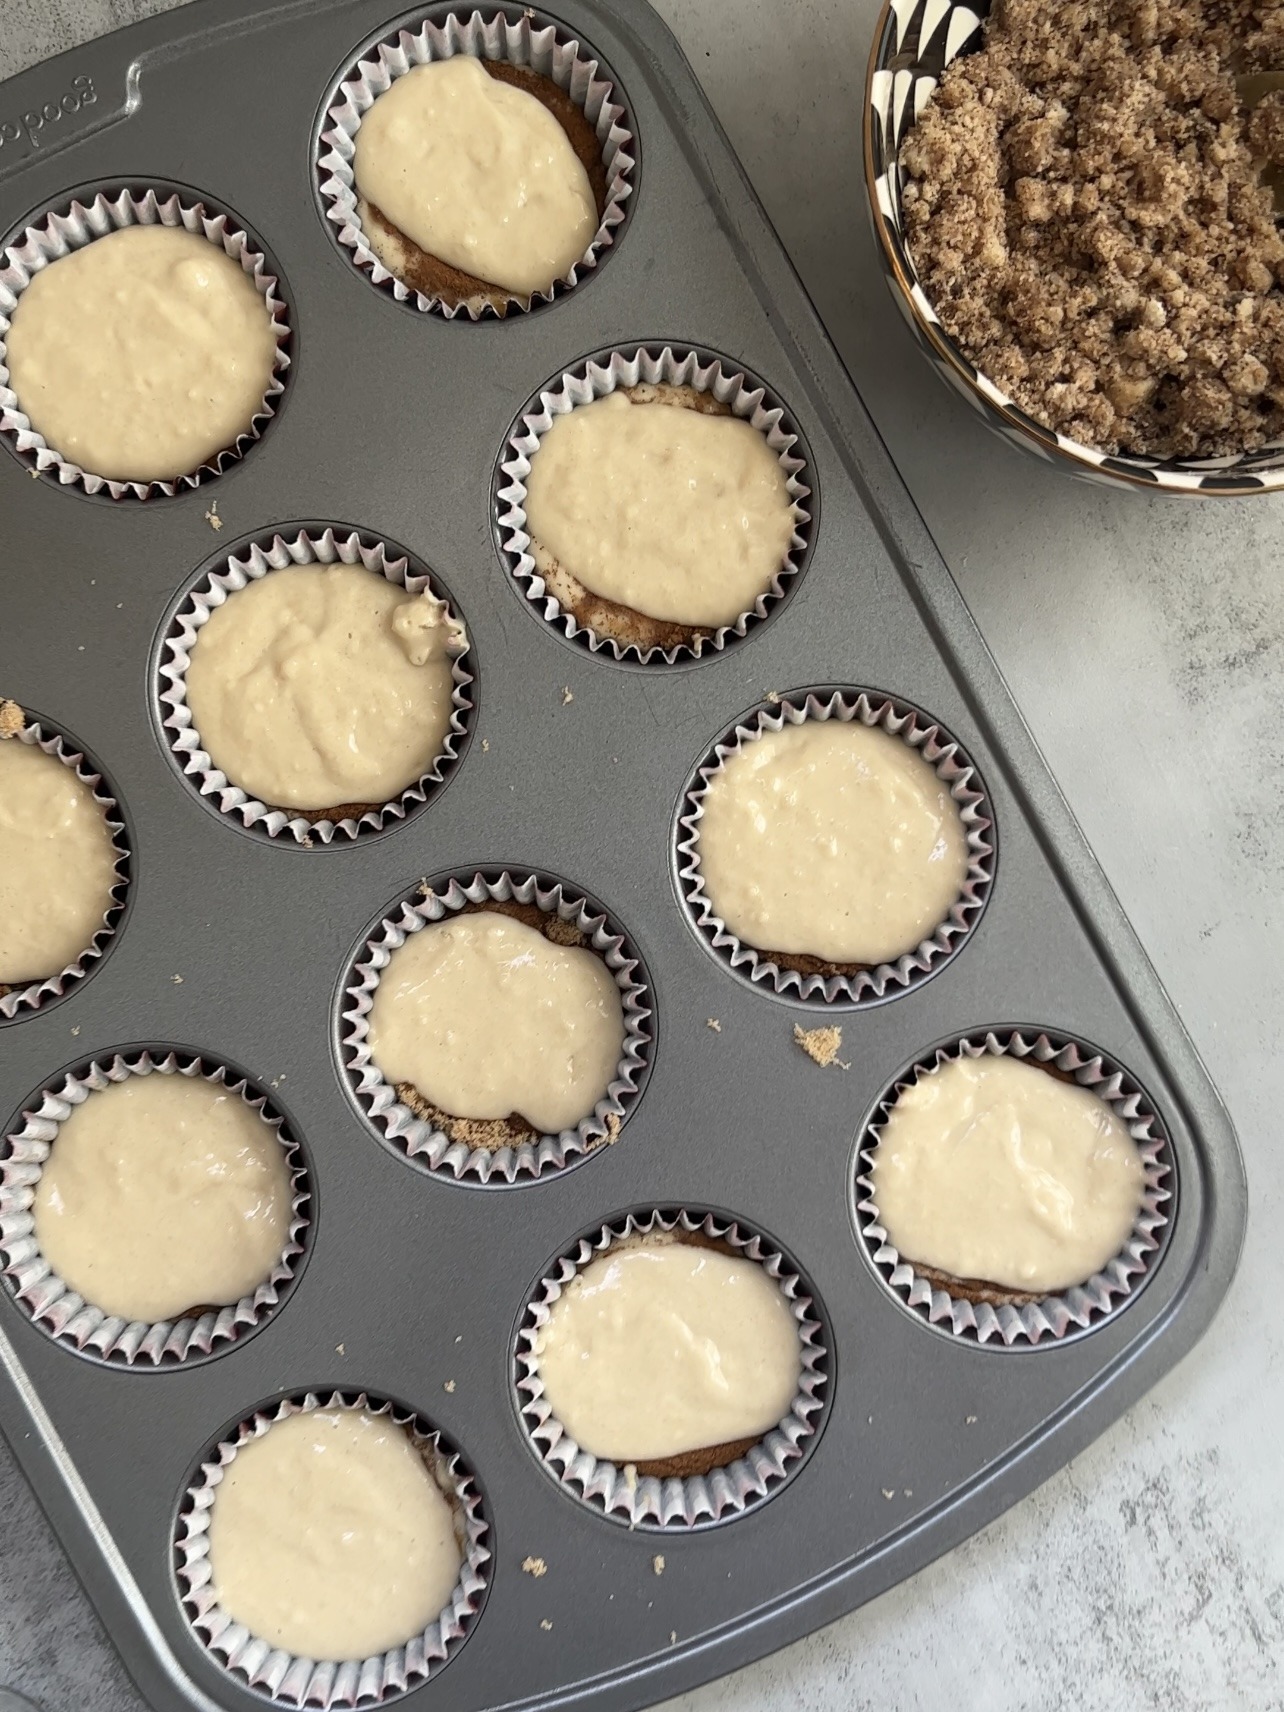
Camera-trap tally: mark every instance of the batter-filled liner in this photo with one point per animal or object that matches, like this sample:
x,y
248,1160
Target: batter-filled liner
x,y
986,1312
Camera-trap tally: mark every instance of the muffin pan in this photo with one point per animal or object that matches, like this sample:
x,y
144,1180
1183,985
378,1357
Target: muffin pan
x,y
416,1286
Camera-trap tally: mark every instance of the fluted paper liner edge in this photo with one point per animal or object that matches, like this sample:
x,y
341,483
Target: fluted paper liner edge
x,y
59,1310
288,1677
26,999
952,765
671,1503
1060,1313
747,397
56,235
431,1148
253,561
541,46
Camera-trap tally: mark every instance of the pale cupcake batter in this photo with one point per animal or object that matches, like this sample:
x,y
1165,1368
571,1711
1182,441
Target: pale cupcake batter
x,y
831,839
485,1017
316,686
990,1169
143,354
679,514
478,174
659,1347
163,1193
57,864
330,1538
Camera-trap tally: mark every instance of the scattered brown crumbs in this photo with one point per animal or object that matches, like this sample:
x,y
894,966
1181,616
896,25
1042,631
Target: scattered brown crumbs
x,y
213,519
773,696
820,1044
489,1133
12,719
1089,208
612,1128
534,1566
657,1563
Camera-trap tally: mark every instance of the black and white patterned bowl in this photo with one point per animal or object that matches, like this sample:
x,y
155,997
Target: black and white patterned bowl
x,y
914,42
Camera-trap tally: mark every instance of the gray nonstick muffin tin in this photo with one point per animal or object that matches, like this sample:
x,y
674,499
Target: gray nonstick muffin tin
x,y
415,1283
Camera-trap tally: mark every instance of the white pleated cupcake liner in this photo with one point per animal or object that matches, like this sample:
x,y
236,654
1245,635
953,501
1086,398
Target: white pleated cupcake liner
x,y
745,396
286,1677
247,565
52,1304
56,235
672,1504
1058,1315
528,40
431,1148
24,1000
952,765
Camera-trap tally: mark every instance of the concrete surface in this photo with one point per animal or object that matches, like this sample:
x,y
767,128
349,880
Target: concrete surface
x,y
1144,641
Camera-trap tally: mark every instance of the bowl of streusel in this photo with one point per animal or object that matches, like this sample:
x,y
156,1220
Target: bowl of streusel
x,y
1077,205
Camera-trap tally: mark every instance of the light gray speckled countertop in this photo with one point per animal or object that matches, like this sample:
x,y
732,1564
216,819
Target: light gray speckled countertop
x,y
1144,641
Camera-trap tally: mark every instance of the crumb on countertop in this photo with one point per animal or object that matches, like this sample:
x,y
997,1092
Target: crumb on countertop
x,y
567,695
714,1024
657,1563
449,1385
212,517
534,1566
544,1623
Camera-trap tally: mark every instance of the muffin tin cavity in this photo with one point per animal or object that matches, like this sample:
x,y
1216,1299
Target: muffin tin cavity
x,y
286,1678
577,919
1005,1319
804,977
66,1316
77,221
520,37
671,1503
256,558
560,599
22,1001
